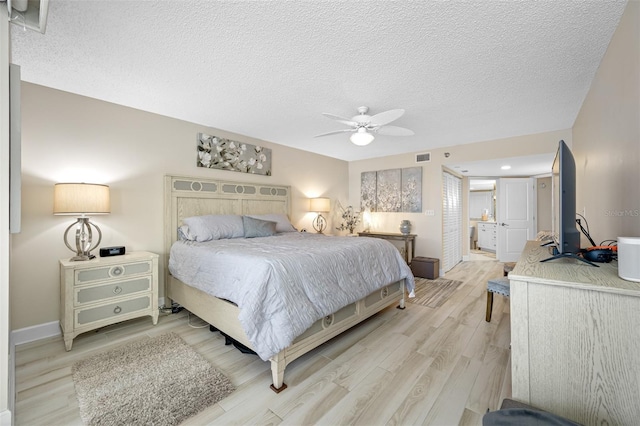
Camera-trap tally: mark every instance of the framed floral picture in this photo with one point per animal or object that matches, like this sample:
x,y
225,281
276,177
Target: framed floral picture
x,y
388,193
393,190
412,190
225,154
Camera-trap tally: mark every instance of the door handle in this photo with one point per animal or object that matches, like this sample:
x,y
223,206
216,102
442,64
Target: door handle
x,y
504,224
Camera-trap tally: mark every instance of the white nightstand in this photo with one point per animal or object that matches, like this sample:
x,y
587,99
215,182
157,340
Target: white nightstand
x,y
107,290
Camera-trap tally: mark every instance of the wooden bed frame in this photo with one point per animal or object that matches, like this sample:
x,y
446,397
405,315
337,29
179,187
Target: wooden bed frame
x,y
194,196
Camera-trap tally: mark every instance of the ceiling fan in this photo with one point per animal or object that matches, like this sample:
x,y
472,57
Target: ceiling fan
x,y
363,126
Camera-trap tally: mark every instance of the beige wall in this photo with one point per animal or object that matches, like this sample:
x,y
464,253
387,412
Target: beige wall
x,y
70,138
606,138
429,228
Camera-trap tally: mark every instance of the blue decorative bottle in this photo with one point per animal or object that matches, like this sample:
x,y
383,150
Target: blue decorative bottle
x,y
405,227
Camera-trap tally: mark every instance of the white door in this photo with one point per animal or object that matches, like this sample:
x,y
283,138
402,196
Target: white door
x,y
515,217
451,221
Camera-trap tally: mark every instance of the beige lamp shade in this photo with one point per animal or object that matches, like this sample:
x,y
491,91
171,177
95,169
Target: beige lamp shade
x,y
81,198
319,205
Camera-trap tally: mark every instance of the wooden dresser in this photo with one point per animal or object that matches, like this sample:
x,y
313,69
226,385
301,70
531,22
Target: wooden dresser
x,y
575,339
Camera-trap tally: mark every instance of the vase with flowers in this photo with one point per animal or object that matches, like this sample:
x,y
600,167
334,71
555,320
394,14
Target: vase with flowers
x,y
350,219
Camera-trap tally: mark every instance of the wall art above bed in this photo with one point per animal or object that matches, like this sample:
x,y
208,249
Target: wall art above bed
x,y
393,190
225,154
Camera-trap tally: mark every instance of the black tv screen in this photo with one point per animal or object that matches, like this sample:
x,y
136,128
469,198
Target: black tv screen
x,y
567,236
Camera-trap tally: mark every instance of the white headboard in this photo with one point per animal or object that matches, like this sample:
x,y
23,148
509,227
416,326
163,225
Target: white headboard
x,y
195,196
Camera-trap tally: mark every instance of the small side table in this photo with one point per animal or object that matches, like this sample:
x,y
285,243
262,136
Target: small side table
x,y
409,240
106,290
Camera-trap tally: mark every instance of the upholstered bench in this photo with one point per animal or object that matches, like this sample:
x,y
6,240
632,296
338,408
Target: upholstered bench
x,y
508,267
496,285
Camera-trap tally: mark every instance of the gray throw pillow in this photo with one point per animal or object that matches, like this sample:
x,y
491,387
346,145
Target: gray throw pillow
x,y
258,228
212,227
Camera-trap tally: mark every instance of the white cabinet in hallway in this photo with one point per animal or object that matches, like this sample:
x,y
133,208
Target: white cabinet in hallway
x,y
487,236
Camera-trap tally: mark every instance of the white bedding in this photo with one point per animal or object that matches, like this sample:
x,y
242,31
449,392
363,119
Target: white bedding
x,y
284,283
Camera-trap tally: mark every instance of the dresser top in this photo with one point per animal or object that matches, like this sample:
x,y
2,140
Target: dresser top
x,y
98,261
390,235
570,272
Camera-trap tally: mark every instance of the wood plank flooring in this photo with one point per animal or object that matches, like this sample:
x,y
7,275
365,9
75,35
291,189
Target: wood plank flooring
x,y
423,365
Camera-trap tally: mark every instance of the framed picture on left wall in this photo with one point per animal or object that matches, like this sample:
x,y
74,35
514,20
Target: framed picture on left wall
x,y
215,152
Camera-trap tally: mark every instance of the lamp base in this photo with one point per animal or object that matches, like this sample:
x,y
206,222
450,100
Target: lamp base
x,y
319,224
84,236
82,258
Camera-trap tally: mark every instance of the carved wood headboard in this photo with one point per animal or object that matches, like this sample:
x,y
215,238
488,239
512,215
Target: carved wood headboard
x,y
195,196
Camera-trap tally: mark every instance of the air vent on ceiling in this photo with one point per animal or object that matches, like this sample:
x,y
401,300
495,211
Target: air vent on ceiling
x,y
423,158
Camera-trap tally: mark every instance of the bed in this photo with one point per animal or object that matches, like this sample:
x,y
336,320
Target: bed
x,y
194,197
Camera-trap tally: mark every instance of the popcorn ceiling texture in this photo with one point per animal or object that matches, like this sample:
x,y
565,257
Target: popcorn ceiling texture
x,y
464,71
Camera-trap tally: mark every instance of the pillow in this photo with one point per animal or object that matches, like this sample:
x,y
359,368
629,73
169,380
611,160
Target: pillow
x,y
183,233
213,227
282,221
258,228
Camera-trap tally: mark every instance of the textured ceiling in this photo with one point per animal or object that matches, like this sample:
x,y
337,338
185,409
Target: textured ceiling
x,y
463,71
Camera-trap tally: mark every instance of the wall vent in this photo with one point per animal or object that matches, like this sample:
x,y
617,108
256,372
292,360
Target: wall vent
x,y
423,158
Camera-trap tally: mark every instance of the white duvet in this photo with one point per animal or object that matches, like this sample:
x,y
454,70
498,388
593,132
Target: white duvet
x,y
284,283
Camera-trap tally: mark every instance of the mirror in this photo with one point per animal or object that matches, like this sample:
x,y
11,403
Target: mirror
x,y
482,199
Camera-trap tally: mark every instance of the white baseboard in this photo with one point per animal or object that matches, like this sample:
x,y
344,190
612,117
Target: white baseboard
x,y
5,418
42,331
36,332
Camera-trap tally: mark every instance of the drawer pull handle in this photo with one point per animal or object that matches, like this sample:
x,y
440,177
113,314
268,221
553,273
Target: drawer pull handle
x,y
117,271
327,321
117,310
117,290
385,292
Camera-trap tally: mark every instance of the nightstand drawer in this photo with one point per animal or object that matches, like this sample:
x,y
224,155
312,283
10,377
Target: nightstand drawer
x,y
112,310
97,293
117,271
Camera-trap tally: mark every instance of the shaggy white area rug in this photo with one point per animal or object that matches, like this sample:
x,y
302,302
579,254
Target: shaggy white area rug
x,y
155,381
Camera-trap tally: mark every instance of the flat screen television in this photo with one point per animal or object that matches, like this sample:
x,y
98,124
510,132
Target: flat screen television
x,y
563,187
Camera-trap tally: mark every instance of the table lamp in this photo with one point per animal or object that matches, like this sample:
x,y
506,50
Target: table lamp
x,y
81,199
319,205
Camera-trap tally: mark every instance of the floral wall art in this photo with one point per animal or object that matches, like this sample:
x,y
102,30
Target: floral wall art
x,y
219,153
388,191
393,190
368,191
412,190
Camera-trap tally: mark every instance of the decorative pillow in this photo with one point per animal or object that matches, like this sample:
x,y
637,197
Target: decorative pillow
x,y
281,220
183,233
213,227
258,228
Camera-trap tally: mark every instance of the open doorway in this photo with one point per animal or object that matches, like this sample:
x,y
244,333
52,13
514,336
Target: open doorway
x,y
482,223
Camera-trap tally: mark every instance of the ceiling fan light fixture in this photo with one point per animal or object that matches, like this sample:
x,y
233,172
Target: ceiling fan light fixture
x,y
362,137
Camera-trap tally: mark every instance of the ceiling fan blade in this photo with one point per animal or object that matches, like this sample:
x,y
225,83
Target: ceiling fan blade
x,y
342,120
335,132
386,117
394,131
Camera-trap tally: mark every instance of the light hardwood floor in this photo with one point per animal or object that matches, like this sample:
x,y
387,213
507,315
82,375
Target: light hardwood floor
x,y
434,366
